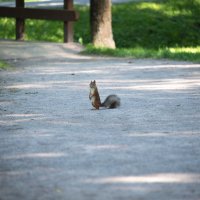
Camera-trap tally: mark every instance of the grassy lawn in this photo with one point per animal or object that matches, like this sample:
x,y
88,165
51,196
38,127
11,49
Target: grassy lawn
x,y
156,29
3,65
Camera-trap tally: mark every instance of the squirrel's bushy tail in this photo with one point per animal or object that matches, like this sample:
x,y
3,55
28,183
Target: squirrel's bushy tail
x,y
112,101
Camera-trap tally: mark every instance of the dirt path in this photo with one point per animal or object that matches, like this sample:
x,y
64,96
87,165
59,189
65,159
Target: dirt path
x,y
53,146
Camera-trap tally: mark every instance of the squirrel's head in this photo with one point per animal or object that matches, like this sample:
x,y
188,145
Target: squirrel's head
x,y
93,84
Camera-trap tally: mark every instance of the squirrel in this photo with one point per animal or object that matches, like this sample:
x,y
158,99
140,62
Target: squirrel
x,y
112,101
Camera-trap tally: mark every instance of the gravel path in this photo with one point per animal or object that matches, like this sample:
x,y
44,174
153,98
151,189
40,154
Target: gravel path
x,y
53,146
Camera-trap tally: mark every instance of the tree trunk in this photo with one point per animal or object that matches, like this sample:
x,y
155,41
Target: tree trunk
x,y
101,23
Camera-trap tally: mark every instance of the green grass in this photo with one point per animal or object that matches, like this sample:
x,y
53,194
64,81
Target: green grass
x,y
155,25
4,65
186,54
157,29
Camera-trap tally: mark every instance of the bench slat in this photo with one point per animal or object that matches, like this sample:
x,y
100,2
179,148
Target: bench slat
x,y
33,13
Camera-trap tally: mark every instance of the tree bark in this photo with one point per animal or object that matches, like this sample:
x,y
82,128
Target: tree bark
x,y
101,23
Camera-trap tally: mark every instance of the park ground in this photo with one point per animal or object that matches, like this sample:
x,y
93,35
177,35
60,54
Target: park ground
x,y
54,146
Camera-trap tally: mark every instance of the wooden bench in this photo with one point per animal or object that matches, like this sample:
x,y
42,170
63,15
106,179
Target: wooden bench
x,y
20,13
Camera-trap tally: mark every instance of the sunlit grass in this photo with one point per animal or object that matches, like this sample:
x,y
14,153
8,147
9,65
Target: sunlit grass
x,y
152,6
42,30
187,54
182,53
166,9
191,50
